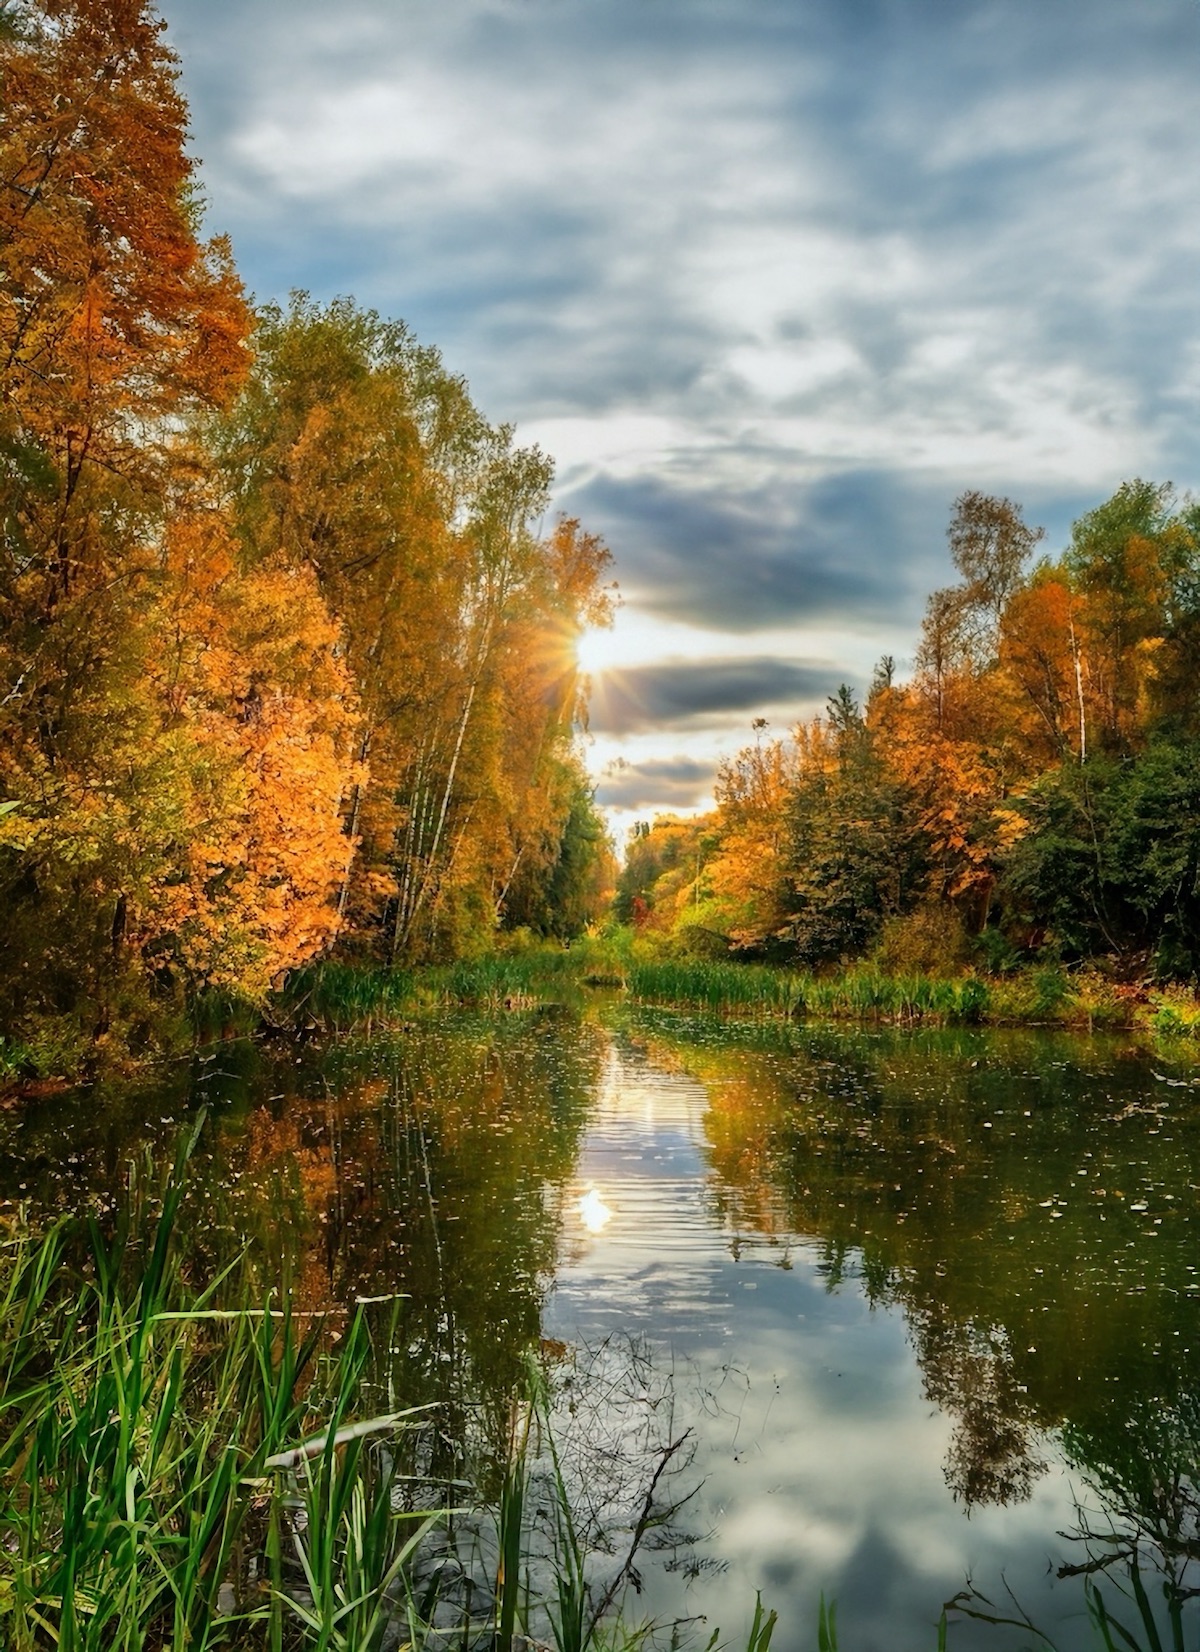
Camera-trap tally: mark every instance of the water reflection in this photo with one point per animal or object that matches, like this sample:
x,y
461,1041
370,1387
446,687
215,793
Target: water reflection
x,y
1019,1210
915,1293
1034,1215
1142,1512
593,1212
424,1170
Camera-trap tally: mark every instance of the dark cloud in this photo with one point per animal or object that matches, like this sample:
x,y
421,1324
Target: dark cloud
x,y
669,783
681,692
853,548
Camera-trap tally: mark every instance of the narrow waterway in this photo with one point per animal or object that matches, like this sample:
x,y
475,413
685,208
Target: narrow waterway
x,y
902,1302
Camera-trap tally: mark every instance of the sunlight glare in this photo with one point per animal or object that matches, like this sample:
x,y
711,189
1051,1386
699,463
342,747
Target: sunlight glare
x,y
600,649
593,1212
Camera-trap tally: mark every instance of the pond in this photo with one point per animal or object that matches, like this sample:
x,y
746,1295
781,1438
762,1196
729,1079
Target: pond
x,y
919,1306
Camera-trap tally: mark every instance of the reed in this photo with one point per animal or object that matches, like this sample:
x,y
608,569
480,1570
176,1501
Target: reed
x,y
747,989
1145,1628
533,973
148,1434
525,972
340,996
181,1470
861,994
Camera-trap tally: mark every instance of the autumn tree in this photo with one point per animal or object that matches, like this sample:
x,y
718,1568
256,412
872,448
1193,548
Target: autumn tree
x,y
665,861
172,721
116,323
564,883
1128,558
990,543
1040,658
114,317
748,873
1033,774
854,853
256,697
354,452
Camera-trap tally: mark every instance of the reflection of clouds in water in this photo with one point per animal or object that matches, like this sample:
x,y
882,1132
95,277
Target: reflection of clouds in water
x,y
821,1456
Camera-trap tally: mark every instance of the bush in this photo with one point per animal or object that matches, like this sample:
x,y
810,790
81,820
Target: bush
x,y
995,953
928,941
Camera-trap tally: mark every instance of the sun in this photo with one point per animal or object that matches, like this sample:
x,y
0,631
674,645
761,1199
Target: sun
x,y
601,649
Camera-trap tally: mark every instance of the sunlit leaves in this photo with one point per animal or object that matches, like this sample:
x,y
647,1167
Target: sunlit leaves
x,y
984,785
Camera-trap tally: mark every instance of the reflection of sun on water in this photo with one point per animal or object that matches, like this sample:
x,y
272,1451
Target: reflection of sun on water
x,y
593,1212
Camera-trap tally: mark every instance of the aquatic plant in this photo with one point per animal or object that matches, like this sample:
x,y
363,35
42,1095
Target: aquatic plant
x,y
724,988
181,1468
339,996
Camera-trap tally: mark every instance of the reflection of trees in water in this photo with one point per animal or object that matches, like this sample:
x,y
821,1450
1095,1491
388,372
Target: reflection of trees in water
x,y
993,1456
420,1168
1145,1471
1014,1195
598,1476
1139,1532
449,1146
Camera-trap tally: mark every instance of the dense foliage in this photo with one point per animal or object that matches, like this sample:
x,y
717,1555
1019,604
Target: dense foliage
x,y
286,663
1033,791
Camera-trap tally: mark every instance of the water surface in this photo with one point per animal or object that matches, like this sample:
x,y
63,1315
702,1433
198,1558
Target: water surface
x,y
916,1296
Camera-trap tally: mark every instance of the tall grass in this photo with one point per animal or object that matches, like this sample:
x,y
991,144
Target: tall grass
x,y
143,1429
339,996
861,994
525,972
724,988
179,1470
1135,1625
342,996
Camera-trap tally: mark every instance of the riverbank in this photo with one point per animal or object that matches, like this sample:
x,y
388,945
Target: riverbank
x,y
337,997
333,998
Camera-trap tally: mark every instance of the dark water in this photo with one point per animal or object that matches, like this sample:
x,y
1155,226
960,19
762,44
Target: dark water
x,y
927,1302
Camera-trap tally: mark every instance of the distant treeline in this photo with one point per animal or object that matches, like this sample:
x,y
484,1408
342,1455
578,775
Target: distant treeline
x,y
286,660
1032,792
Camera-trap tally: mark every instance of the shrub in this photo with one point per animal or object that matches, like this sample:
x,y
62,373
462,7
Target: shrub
x,y
928,941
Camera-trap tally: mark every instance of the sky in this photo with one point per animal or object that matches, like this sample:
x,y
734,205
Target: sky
x,y
773,281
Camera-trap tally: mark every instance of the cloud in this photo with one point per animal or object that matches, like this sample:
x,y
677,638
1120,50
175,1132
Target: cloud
x,y
711,692
667,784
855,549
876,236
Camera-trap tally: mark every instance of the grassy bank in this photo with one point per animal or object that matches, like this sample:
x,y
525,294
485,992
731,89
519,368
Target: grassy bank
x,y
1041,996
337,996
333,997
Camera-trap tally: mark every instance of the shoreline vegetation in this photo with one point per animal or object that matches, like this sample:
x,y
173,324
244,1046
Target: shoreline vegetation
x,y
334,999
338,998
